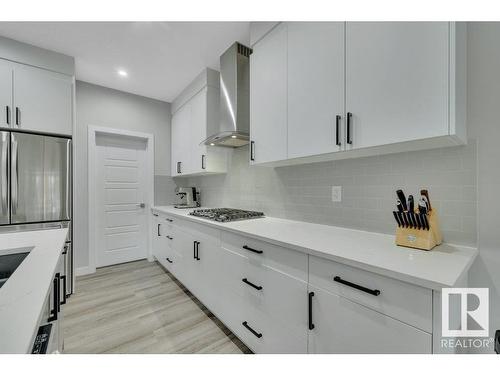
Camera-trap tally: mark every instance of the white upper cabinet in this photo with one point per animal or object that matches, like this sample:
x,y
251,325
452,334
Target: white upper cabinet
x,y
181,141
268,97
43,100
397,86
315,87
195,118
397,81
5,94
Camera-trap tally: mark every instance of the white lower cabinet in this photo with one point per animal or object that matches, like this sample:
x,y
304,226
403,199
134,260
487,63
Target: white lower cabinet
x,y
343,326
278,300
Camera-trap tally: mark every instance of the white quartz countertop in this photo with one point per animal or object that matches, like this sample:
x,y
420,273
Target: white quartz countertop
x,y
441,267
23,296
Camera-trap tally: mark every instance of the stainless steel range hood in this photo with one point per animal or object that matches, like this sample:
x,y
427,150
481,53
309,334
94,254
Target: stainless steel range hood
x,y
234,117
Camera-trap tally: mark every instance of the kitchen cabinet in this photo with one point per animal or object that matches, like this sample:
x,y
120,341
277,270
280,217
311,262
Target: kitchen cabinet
x,y
397,81
181,132
5,93
339,325
38,100
315,88
194,120
325,91
158,238
268,97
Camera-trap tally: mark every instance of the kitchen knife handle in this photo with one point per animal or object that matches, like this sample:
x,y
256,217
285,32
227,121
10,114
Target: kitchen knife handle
x,y
337,130
425,193
348,126
423,217
401,220
402,198
396,217
410,221
411,203
417,219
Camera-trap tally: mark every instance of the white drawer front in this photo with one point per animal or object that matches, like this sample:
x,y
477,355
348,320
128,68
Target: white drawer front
x,y
276,336
343,326
406,302
258,252
272,292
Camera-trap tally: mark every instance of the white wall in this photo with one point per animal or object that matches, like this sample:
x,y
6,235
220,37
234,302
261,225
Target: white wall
x,y
101,106
483,68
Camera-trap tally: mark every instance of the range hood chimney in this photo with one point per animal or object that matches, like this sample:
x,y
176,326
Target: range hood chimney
x,y
234,115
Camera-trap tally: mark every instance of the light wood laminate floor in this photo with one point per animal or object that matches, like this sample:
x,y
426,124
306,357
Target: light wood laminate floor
x,y
139,307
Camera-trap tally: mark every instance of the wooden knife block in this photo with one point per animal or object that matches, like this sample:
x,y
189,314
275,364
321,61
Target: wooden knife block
x,y
421,238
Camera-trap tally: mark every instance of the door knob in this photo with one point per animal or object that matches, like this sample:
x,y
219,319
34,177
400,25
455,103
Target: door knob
x,y
141,205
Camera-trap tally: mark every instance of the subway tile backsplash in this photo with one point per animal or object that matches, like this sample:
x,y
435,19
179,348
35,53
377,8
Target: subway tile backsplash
x,y
303,192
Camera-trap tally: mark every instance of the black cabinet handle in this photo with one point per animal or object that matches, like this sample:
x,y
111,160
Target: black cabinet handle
x,y
252,150
169,261
194,249
311,325
349,135
7,114
169,220
56,292
65,250
18,116
63,278
159,230
155,215
203,166
337,130
198,250
178,167
170,238
245,280
373,292
245,324
252,250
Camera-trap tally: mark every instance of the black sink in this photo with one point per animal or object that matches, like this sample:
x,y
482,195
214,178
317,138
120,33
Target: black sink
x,y
9,263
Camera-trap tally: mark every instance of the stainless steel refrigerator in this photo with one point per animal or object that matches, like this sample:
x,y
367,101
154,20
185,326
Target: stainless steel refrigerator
x,y
36,186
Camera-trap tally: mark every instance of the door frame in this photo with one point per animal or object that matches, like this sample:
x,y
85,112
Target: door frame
x,y
93,131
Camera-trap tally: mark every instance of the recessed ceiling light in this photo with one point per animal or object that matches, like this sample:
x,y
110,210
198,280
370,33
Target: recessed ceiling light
x,y
233,136
212,144
122,73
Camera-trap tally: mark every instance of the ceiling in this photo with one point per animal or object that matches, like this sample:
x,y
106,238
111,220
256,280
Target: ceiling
x,y
161,58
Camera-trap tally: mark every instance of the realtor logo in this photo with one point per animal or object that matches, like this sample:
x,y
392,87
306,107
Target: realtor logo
x,y
465,312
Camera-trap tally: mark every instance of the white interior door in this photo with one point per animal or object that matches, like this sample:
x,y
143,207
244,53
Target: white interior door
x,y
121,187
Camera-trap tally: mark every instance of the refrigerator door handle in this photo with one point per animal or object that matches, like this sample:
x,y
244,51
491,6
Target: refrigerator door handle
x,y
5,172
68,179
15,175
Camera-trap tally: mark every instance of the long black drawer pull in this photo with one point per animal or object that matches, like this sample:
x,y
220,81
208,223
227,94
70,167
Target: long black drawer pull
x,y
245,324
348,128
170,238
55,292
337,130
194,249
63,278
158,230
311,325
252,250
169,261
373,292
245,280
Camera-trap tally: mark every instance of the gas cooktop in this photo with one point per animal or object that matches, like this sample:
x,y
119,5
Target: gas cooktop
x,y
226,214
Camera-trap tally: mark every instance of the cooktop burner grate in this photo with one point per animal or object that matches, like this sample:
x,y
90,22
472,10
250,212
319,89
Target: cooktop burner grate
x,y
226,214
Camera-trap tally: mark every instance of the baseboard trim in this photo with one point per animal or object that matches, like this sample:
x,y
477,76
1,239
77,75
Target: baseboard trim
x,y
80,271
